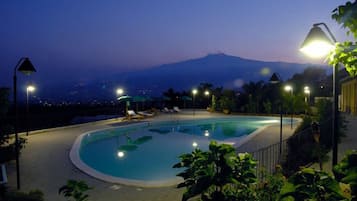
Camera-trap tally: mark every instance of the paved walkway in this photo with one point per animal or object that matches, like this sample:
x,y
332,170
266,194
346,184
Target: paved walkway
x,y
45,163
347,143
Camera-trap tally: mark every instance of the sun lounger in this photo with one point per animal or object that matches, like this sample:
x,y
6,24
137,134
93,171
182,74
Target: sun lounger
x,y
166,110
146,114
133,115
176,109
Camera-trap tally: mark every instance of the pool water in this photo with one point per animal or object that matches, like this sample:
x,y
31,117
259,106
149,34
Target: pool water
x,y
147,151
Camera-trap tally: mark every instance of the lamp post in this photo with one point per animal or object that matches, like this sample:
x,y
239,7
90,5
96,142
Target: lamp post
x,y
29,88
307,97
120,92
290,89
275,79
207,94
194,92
307,94
317,44
25,66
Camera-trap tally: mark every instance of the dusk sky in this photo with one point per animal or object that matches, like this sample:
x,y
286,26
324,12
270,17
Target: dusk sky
x,y
86,38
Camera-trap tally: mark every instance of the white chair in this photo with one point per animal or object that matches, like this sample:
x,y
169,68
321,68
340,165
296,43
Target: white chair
x,y
145,114
166,110
133,115
176,109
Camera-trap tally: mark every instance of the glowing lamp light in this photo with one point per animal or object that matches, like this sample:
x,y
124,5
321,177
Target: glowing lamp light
x,y
317,49
30,88
288,88
206,93
194,91
121,154
316,43
120,91
206,133
194,144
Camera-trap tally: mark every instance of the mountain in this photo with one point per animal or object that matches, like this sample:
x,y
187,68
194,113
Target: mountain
x,y
218,69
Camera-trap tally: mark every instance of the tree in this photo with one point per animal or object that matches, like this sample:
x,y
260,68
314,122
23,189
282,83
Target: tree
x,y
346,52
255,91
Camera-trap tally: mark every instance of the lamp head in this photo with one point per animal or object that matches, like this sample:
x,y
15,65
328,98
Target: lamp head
x,y
30,88
120,91
26,67
288,88
316,43
194,91
274,79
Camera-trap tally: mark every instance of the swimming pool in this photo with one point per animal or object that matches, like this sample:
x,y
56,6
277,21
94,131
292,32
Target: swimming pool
x,y
143,154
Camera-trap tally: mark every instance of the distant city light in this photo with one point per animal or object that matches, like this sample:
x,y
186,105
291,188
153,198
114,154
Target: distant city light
x,y
194,144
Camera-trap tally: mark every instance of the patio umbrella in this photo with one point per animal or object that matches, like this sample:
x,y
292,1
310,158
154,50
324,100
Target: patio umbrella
x,y
124,98
139,98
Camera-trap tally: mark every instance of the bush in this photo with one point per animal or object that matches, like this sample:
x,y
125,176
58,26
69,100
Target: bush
x,y
34,195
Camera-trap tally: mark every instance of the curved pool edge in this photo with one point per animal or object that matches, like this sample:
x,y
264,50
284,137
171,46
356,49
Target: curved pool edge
x,y
75,159
246,138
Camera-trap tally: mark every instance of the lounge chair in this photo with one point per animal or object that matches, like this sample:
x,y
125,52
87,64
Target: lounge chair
x,y
166,110
176,109
146,114
133,115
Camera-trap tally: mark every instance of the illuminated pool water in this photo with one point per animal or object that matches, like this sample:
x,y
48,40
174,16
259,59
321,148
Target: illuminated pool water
x,y
143,154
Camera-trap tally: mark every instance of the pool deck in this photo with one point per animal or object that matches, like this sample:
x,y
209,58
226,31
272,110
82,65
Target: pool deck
x,y
45,163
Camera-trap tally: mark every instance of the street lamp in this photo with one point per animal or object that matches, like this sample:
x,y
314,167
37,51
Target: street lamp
x,y
275,79
207,94
317,44
290,89
120,93
29,88
307,94
307,97
25,66
194,92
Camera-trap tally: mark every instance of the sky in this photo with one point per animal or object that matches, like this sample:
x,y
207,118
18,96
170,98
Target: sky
x,y
81,39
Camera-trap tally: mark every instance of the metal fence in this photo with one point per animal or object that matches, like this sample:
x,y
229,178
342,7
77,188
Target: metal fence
x,y
269,157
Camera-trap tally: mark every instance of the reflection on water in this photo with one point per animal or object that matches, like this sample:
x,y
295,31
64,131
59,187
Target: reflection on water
x,y
131,144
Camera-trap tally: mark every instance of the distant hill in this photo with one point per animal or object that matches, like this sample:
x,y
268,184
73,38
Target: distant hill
x,y
218,69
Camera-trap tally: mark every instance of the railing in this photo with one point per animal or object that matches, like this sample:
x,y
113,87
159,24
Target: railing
x,y
269,157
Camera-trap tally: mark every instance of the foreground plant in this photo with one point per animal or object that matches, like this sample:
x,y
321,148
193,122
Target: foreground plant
x,y
75,190
346,172
217,174
310,184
